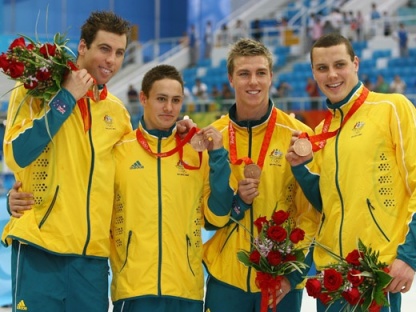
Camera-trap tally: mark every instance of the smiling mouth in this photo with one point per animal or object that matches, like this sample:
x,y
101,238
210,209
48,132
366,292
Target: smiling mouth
x,y
253,92
106,70
334,85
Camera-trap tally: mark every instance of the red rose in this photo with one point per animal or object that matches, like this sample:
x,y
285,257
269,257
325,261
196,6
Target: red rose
x,y
48,50
355,277
325,298
297,235
255,256
16,69
18,42
32,84
43,75
274,257
4,62
313,287
374,307
259,223
352,296
354,257
276,233
30,47
332,279
280,216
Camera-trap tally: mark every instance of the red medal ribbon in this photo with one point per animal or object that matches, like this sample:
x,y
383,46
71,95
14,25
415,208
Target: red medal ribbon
x,y
324,135
83,106
178,148
265,145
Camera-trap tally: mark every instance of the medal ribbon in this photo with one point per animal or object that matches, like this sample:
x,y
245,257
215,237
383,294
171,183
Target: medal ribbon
x,y
265,145
324,135
83,104
178,148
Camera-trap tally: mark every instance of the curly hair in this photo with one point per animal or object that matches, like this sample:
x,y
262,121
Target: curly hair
x,y
107,21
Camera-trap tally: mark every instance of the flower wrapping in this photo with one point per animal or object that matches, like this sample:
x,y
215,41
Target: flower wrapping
x,y
359,279
274,254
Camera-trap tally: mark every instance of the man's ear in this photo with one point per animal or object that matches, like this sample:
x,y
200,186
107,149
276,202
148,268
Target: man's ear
x,y
82,47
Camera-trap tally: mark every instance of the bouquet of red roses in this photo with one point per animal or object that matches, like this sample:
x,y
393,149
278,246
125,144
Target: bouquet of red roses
x,y
274,254
40,67
359,279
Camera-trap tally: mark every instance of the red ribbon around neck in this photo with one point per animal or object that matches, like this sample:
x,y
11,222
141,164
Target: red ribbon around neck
x,y
83,102
178,148
265,145
318,141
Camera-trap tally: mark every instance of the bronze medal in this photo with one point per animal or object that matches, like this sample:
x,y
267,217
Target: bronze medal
x,y
198,142
302,147
252,171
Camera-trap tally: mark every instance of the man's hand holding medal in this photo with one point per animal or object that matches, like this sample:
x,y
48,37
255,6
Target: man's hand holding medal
x,y
300,149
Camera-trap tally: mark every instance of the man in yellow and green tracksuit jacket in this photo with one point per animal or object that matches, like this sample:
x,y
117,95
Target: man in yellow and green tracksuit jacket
x,y
157,247
70,177
277,190
162,197
364,181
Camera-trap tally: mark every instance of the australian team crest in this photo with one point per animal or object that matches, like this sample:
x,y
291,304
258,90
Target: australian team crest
x,y
358,127
276,157
108,122
181,168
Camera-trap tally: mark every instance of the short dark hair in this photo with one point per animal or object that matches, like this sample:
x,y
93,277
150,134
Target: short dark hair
x,y
160,72
248,47
333,39
104,20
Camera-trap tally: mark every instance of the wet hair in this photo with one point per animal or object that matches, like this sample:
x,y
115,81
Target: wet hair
x,y
106,21
333,39
160,72
248,47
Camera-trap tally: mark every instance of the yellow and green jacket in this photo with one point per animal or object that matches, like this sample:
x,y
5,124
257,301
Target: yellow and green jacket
x,y
364,179
159,209
278,190
69,171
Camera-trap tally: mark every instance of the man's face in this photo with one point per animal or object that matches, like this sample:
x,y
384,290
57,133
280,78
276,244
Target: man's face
x,y
251,80
334,71
104,57
163,105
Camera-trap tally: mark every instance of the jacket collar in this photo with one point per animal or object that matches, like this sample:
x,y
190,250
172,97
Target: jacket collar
x,y
249,123
346,99
156,132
